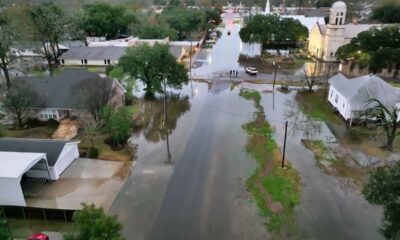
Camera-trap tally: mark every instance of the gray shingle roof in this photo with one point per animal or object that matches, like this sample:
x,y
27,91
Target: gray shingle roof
x,y
61,91
94,53
360,89
52,148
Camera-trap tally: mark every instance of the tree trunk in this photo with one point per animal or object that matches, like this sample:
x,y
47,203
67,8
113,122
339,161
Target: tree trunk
x,y
391,135
6,76
19,119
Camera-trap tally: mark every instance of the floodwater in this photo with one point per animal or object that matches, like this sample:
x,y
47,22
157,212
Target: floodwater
x,y
225,56
329,208
199,193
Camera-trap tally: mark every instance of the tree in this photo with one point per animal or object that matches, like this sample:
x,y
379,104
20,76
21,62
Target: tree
x,y
119,126
184,21
311,80
153,65
6,58
49,22
93,95
376,48
273,30
103,19
77,20
383,188
92,223
389,13
5,233
20,103
387,117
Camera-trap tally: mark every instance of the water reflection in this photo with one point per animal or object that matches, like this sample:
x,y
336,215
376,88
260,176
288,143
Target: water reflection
x,y
151,121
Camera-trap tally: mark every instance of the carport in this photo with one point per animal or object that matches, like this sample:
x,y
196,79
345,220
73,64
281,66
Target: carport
x,y
13,165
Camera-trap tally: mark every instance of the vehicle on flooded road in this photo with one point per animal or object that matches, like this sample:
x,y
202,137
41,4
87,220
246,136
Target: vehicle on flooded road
x,y
251,70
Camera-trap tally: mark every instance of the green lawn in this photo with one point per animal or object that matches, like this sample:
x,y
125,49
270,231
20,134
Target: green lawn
x,y
315,105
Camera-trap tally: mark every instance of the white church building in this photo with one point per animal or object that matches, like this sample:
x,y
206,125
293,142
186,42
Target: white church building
x,y
324,40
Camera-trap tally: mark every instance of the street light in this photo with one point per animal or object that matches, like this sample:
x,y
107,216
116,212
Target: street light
x,y
275,70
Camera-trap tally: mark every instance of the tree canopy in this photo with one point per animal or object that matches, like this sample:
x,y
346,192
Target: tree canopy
x,y
389,13
377,48
152,65
103,19
272,29
383,188
92,223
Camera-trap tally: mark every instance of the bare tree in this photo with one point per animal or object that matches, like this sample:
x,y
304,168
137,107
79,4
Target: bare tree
x,y
387,118
20,103
311,80
49,25
6,58
92,96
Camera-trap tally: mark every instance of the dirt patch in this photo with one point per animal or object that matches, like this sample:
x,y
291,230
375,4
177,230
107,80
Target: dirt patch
x,y
67,130
336,163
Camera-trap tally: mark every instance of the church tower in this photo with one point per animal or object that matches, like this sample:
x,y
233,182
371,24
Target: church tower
x,y
267,8
334,34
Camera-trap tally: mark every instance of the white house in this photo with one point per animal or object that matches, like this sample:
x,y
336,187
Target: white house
x,y
33,158
350,96
92,56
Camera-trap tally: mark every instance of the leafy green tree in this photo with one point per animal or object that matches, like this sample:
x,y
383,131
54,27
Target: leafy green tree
x,y
103,19
184,21
157,30
49,23
213,16
153,65
389,13
377,48
383,188
272,30
92,223
5,233
119,126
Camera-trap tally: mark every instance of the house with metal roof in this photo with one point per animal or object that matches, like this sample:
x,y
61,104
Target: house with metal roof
x,y
59,95
31,158
350,96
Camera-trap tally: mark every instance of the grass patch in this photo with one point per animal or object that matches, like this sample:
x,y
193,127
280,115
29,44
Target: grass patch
x,y
250,95
321,152
275,190
24,228
314,105
43,132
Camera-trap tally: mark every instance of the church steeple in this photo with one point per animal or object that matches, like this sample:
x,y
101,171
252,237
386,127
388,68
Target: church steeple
x,y
267,8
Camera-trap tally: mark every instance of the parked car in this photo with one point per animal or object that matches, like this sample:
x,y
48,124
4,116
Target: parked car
x,y
251,70
39,236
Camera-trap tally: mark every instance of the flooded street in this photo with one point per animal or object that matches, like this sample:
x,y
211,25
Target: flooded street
x,y
199,191
330,208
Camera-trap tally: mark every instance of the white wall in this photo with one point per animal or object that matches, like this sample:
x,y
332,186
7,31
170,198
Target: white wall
x,y
89,62
11,192
316,42
67,156
342,104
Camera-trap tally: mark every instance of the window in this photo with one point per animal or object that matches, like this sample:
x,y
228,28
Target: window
x,y
343,105
105,62
336,98
62,61
332,54
108,61
85,61
337,20
331,93
81,61
341,14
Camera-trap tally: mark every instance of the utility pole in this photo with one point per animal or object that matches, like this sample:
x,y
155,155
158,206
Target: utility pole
x,y
284,145
275,70
165,121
